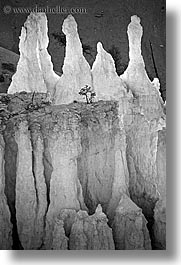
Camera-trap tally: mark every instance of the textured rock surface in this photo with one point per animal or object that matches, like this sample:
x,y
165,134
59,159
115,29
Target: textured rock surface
x,y
160,207
129,226
102,169
106,81
161,163
8,62
34,69
28,76
5,224
76,70
142,140
59,239
77,230
76,158
135,75
159,227
49,76
31,200
91,232
64,162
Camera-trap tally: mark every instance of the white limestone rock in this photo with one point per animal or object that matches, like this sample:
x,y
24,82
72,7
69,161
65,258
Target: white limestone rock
x,y
106,82
161,164
31,202
61,228
50,77
159,227
28,76
91,232
79,231
60,241
65,189
102,166
120,181
135,75
129,227
76,70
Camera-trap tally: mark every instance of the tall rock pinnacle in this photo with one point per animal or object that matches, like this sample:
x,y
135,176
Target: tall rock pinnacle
x,y
34,69
49,76
135,75
28,76
106,82
76,70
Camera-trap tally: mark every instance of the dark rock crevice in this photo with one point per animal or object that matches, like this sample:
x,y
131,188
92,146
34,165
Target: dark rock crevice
x,y
48,168
32,129
10,158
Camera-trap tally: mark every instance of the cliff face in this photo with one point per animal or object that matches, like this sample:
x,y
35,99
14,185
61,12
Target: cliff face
x,y
65,161
68,157
77,175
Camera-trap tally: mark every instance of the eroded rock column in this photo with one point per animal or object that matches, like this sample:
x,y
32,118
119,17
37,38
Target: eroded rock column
x,y
76,70
106,82
91,232
135,75
65,189
49,76
129,226
28,76
31,199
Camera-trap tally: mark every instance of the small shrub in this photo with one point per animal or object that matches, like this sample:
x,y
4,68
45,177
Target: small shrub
x,y
88,93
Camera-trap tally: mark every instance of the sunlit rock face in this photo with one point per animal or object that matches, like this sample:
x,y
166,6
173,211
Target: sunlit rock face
x,y
144,122
49,76
143,127
34,70
76,70
135,75
129,226
28,76
106,82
